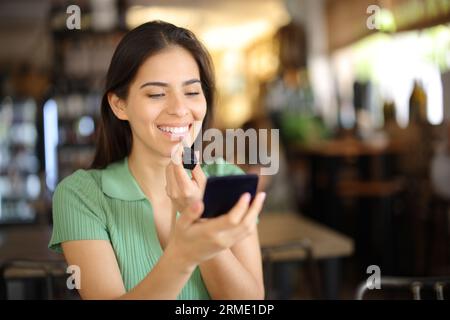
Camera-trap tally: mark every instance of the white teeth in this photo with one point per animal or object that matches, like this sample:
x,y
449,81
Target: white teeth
x,y
176,130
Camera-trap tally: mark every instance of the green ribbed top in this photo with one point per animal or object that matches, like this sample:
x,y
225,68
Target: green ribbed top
x,y
109,205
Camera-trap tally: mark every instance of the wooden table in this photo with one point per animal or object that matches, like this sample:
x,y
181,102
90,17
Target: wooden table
x,y
326,245
283,228
26,243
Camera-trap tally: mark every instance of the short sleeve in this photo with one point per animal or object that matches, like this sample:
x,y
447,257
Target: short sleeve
x,y
77,212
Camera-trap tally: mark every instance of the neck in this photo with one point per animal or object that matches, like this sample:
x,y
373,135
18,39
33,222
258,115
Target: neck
x,y
149,170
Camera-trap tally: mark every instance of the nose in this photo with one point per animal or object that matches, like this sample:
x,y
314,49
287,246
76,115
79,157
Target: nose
x,y
177,105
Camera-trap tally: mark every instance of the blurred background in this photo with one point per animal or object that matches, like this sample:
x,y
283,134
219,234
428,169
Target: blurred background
x,y
359,89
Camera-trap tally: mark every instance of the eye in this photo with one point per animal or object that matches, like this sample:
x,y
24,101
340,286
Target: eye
x,y
154,96
192,93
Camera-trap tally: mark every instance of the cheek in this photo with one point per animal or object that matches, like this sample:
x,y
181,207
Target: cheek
x,y
199,110
143,114
148,119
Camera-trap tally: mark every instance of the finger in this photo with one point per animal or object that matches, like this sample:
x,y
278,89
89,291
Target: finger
x,y
182,177
238,211
255,208
248,223
199,176
234,216
176,154
191,213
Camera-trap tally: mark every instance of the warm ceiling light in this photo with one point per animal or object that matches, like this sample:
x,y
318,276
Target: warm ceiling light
x,y
235,36
221,28
138,15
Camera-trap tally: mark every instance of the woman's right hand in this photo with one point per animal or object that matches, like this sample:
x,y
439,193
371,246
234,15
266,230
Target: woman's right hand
x,y
195,240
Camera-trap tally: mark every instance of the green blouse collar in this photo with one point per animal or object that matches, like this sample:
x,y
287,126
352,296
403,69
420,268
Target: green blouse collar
x,y
119,183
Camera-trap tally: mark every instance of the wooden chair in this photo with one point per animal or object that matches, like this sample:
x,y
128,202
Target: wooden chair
x,y
437,224
22,270
312,268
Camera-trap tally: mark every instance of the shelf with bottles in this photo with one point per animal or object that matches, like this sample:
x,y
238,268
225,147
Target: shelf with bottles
x,y
68,163
80,133
80,62
19,165
97,17
76,156
17,211
81,58
77,104
77,117
81,55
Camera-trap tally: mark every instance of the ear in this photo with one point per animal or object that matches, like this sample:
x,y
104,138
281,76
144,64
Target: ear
x,y
117,106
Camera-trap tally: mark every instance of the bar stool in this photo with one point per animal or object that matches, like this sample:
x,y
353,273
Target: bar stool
x,y
415,286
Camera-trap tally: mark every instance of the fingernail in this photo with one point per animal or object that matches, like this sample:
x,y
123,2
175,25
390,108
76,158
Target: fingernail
x,y
263,196
247,196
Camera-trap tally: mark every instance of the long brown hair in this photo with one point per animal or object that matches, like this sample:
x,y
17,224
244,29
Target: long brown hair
x,y
114,137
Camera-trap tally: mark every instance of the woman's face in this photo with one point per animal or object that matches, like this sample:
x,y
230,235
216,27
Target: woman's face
x,y
164,101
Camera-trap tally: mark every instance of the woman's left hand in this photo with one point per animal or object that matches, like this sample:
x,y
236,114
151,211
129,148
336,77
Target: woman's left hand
x,y
181,189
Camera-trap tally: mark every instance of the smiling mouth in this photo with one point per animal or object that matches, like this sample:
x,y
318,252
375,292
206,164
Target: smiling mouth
x,y
175,130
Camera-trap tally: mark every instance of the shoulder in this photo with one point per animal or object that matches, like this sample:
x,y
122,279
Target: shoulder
x,y
81,178
84,183
79,197
78,209
220,167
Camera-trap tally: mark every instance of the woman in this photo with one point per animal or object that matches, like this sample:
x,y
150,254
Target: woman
x,y
132,222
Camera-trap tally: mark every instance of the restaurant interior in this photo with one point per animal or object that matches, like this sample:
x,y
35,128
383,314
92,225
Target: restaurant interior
x,y
359,91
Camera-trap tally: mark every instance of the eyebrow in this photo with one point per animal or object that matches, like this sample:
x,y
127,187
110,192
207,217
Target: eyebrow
x,y
164,84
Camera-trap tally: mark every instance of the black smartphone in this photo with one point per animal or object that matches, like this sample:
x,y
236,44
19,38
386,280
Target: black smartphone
x,y
222,193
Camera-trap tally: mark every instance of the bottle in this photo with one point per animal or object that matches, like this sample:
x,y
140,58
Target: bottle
x,y
388,112
418,104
